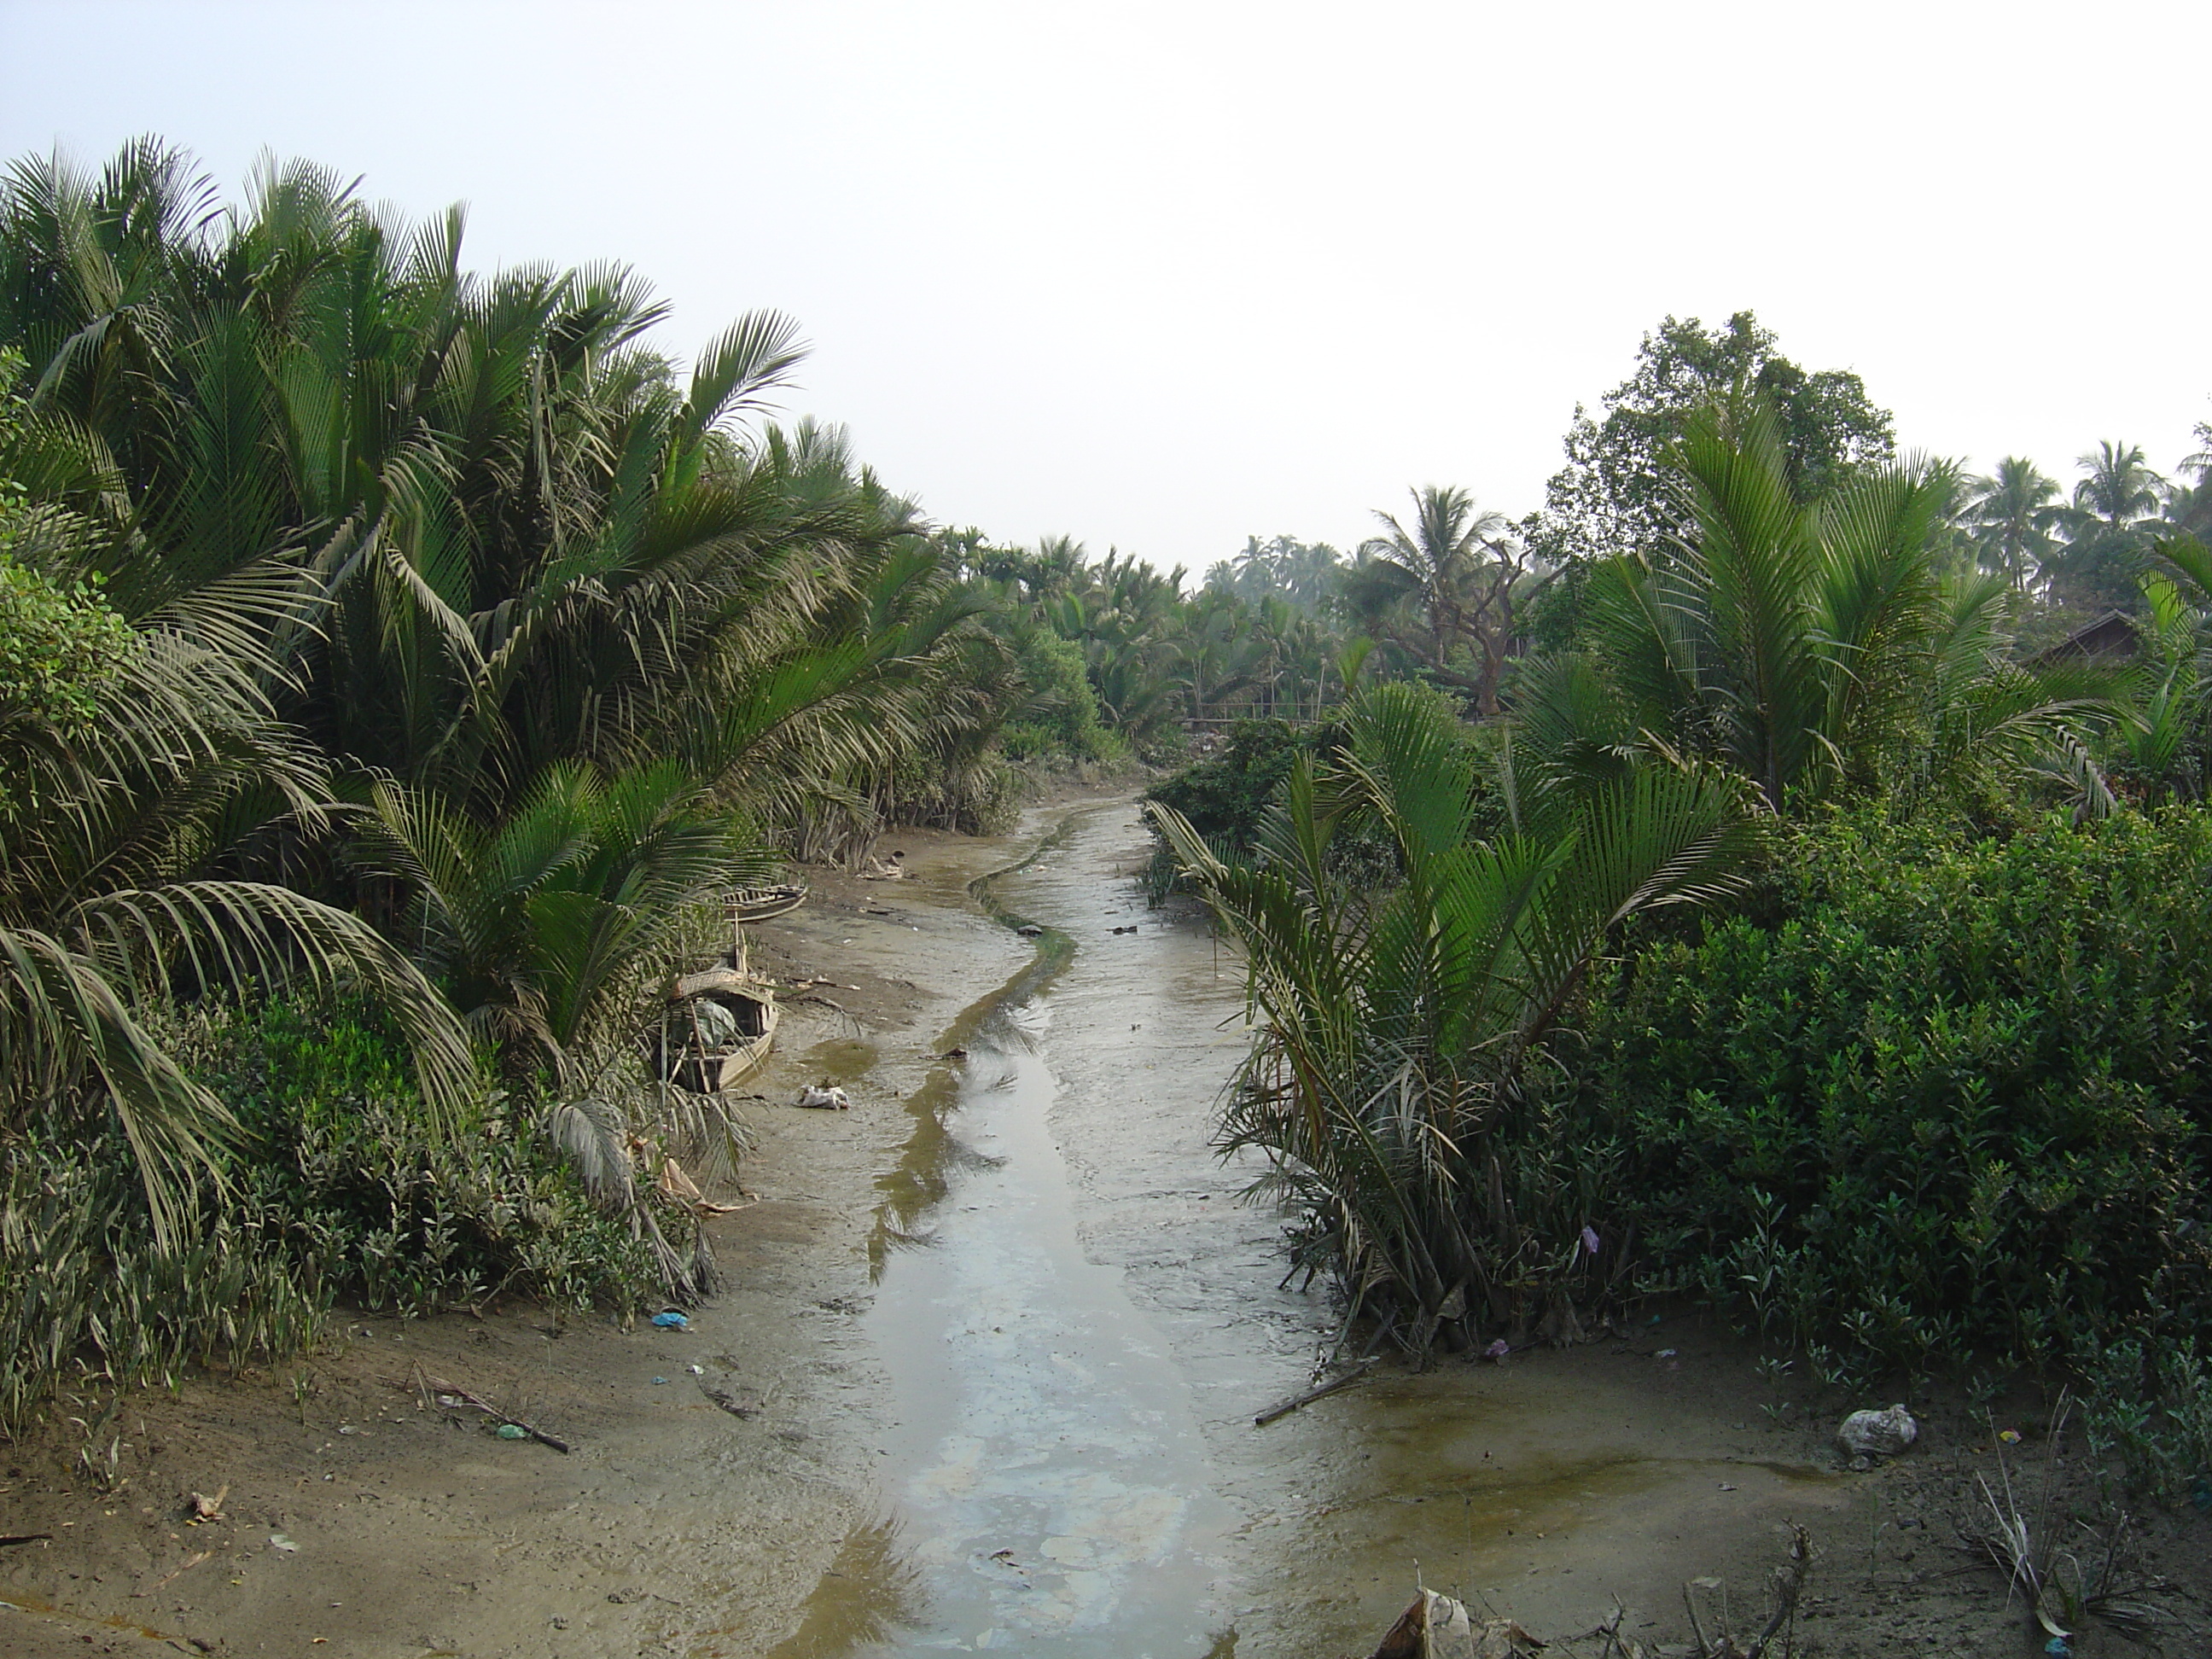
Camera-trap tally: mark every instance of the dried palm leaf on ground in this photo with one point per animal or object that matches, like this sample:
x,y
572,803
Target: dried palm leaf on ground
x,y
1438,1627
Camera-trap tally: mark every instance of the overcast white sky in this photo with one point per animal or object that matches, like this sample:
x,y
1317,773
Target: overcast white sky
x,y
1163,276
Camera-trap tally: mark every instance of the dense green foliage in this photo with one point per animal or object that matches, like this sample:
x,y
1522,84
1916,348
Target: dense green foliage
x,y
1282,566
1817,648
1225,796
1928,1093
59,645
379,634
1443,595
1951,1097
372,626
343,1189
60,649
1614,494
345,1183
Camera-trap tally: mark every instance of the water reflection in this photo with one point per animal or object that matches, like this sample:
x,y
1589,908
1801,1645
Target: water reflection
x,y
870,1594
1053,1480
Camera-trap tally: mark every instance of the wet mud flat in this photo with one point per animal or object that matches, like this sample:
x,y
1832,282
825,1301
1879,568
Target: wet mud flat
x,y
983,1379
1079,1323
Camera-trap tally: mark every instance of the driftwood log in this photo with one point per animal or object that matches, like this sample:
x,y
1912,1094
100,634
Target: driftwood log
x,y
1358,1374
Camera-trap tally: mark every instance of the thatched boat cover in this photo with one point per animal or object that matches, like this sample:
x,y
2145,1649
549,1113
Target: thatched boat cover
x,y
718,980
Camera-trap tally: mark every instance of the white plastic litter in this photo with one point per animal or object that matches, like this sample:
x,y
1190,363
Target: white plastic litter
x,y
825,1097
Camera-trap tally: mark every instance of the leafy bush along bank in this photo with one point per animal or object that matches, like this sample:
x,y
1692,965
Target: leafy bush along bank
x,y
1951,1100
335,1189
1919,1097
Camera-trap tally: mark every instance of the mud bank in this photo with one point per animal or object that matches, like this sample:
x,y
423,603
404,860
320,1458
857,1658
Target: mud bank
x,y
674,1526
1079,1323
984,1380
1081,1326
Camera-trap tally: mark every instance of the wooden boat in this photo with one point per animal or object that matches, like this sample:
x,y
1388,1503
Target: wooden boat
x,y
717,1025
760,903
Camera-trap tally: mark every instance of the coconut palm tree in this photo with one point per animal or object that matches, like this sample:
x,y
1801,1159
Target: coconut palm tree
x,y
1446,591
2116,489
1283,566
2109,524
2015,511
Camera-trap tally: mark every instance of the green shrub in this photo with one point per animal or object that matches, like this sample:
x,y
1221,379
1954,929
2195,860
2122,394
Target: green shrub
x,y
337,1191
1059,716
2155,1412
84,1289
971,790
1224,795
383,1211
1953,1096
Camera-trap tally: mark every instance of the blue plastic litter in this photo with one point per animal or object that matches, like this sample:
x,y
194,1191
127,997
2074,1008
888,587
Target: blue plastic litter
x,y
671,1321
2057,1648
657,1380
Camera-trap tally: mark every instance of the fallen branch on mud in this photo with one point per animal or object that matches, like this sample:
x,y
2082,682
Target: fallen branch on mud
x,y
1788,1585
1358,1374
858,1030
429,1384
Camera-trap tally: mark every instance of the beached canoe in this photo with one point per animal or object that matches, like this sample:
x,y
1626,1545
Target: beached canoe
x,y
760,903
717,1025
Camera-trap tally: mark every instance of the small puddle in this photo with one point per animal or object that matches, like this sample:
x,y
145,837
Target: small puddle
x,y
840,1060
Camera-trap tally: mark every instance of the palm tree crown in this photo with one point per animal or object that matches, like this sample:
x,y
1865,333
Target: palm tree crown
x,y
2116,489
2015,511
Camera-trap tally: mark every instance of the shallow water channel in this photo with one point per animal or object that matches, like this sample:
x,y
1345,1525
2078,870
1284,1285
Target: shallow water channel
x,y
1079,1320
1050,1480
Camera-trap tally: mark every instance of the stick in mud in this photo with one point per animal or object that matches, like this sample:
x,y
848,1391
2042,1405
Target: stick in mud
x,y
1358,1374
534,1432
1789,1584
858,1028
